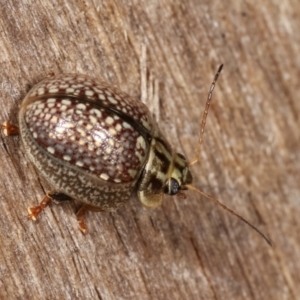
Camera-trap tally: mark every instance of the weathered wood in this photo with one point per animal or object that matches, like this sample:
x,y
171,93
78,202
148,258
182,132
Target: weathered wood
x,y
186,249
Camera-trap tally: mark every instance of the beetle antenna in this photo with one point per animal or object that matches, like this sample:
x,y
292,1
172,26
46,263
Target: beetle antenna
x,y
203,122
191,187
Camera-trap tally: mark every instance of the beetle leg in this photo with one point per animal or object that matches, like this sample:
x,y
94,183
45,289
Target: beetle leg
x,y
59,197
80,218
9,129
34,211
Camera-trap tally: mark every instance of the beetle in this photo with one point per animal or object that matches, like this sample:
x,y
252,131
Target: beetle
x,y
96,144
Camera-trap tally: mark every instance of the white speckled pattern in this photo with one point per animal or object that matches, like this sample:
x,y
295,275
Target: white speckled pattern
x,y
82,86
80,122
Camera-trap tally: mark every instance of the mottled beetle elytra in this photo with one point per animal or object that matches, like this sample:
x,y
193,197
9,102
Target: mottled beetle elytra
x,y
97,145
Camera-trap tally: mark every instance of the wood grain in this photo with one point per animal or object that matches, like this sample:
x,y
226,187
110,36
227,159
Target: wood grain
x,y
166,52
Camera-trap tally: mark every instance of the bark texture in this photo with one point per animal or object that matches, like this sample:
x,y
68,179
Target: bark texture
x,y
166,53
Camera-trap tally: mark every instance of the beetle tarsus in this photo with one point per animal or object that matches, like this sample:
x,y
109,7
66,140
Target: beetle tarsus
x,y
9,129
34,211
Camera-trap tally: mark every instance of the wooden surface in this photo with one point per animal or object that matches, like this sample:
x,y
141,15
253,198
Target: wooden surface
x,y
185,249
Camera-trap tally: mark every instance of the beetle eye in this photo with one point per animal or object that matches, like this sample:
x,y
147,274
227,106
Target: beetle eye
x,y
172,187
